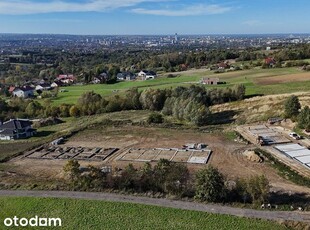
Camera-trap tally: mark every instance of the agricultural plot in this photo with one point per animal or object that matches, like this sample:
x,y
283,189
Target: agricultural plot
x,y
298,77
296,152
173,154
77,153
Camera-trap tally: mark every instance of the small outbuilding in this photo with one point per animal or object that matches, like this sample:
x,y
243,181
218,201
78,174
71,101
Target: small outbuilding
x,y
210,81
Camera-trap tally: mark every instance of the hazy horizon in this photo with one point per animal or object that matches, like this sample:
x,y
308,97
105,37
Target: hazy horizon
x,y
170,34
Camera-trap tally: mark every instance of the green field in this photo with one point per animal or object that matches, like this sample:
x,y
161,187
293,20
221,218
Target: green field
x,y
75,91
246,77
86,214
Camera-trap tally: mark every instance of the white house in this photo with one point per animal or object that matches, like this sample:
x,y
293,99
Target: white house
x,y
16,129
101,78
145,74
43,87
125,76
66,78
23,92
56,84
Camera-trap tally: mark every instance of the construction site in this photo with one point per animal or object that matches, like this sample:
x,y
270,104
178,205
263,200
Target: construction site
x,y
193,156
114,148
53,152
196,153
277,140
296,152
263,135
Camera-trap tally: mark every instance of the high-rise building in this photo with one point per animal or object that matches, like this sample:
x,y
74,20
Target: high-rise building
x,y
176,37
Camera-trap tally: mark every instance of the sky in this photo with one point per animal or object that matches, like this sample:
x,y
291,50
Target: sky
x,y
154,17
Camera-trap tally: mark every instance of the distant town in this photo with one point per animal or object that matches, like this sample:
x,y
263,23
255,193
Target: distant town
x,y
11,44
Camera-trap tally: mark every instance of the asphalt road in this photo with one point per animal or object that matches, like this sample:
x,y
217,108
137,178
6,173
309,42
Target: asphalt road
x,y
211,208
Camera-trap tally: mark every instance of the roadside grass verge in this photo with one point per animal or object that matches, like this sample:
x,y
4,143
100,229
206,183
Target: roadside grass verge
x,y
89,214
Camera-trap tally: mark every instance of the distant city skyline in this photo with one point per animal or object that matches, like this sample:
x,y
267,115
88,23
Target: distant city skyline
x,y
151,17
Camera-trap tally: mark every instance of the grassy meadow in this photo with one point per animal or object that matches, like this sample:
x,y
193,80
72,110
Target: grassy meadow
x,y
88,214
250,78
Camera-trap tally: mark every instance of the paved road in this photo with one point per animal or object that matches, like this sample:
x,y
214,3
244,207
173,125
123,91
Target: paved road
x,y
268,215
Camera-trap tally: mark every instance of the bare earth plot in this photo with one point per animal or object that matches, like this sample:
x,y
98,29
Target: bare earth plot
x,y
226,155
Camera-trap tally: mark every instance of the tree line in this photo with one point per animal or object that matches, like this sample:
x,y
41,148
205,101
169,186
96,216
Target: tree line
x,y
184,103
169,178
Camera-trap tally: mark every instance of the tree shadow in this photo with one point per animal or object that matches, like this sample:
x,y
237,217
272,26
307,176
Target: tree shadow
x,y
253,95
225,117
279,198
44,133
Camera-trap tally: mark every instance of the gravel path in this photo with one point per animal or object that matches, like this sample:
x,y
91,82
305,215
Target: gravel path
x,y
211,208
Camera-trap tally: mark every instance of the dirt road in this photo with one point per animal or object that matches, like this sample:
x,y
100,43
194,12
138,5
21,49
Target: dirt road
x,y
211,208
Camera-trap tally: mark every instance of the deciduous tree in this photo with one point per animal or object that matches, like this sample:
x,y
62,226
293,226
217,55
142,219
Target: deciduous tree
x,y
209,185
291,107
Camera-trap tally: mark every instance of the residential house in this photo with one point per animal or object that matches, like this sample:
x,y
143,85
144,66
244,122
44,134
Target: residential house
x,y
66,78
146,74
23,92
16,129
11,89
56,84
43,87
223,65
125,76
101,78
210,81
270,61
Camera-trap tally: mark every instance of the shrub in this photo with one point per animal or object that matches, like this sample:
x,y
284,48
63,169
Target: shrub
x,y
156,118
46,94
74,111
255,189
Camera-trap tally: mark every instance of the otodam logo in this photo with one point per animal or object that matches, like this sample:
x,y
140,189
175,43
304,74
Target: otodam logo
x,y
32,222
